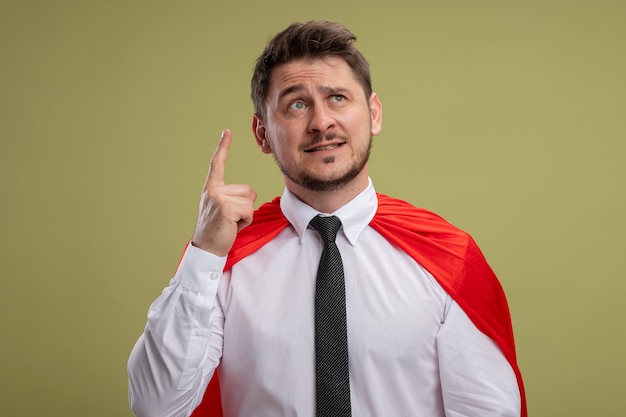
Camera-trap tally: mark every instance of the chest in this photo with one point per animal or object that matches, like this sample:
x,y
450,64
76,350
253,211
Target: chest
x,y
392,304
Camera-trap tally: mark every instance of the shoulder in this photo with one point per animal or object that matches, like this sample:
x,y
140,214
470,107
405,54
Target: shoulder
x,y
393,211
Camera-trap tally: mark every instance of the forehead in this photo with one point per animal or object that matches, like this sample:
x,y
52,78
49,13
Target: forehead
x,y
331,72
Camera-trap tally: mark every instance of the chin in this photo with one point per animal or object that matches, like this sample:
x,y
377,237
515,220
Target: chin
x,y
330,183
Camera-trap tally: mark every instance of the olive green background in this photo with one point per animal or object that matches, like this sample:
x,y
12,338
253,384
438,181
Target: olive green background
x,y
507,118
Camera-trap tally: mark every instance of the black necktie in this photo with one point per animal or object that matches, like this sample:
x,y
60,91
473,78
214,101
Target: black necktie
x,y
331,340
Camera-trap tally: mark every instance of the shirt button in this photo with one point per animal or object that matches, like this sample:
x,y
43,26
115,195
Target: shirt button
x,y
213,276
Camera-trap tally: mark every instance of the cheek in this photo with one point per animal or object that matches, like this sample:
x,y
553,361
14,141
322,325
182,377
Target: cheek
x,y
360,127
358,120
281,146
285,138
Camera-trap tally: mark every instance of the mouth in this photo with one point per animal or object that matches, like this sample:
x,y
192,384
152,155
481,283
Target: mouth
x,y
326,147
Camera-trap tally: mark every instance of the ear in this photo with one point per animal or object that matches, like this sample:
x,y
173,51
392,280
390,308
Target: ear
x,y
258,129
376,114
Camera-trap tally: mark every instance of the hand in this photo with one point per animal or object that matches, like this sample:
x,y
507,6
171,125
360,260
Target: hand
x,y
225,209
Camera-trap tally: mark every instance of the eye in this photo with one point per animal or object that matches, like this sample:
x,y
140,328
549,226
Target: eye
x,y
337,98
297,105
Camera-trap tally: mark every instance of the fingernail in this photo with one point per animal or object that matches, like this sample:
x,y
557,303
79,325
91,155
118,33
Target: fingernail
x,y
222,135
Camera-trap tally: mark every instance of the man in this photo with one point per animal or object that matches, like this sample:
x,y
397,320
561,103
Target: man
x,y
425,330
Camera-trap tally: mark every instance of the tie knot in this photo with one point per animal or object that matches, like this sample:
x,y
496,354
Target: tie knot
x,y
327,226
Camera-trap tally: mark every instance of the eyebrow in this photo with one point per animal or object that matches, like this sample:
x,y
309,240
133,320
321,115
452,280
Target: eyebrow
x,y
289,90
323,89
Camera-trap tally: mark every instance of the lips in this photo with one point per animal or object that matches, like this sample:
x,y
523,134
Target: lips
x,y
324,147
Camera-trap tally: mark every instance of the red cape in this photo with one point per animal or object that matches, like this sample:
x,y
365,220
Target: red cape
x,y
449,254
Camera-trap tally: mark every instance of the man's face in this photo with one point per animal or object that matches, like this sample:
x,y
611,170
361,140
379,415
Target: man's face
x,y
319,124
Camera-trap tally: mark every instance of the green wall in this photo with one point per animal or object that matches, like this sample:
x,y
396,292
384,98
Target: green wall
x,y
508,118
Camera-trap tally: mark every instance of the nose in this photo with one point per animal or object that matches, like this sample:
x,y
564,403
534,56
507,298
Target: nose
x,y
321,120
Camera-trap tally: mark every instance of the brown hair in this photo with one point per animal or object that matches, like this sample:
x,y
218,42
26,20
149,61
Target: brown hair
x,y
314,39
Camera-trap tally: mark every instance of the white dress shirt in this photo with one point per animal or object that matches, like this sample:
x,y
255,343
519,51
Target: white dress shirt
x,y
412,350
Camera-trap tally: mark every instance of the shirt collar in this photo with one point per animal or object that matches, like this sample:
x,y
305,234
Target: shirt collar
x,y
354,216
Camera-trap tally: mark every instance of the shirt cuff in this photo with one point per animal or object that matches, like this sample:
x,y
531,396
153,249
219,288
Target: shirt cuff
x,y
200,270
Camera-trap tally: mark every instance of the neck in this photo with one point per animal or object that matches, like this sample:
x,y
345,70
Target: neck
x,y
331,200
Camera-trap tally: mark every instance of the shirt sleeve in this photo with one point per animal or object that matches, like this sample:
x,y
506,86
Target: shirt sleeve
x,y
476,378
172,363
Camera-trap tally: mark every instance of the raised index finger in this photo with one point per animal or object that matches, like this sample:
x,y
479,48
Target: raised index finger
x,y
218,161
